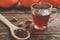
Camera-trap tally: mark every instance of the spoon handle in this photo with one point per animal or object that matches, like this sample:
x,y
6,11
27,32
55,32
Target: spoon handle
x,y
5,21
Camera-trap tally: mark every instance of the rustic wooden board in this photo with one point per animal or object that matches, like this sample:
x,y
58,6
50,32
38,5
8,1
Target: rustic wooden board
x,y
52,32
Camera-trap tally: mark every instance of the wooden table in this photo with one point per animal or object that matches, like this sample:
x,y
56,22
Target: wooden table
x,y
52,32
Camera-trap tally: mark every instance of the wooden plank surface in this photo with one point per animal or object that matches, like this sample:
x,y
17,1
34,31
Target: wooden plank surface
x,y
52,32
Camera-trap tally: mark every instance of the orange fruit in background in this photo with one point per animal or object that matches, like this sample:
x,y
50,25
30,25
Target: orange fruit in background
x,y
55,3
46,1
28,3
7,3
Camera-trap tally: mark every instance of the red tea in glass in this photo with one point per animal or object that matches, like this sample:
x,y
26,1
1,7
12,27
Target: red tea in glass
x,y
40,15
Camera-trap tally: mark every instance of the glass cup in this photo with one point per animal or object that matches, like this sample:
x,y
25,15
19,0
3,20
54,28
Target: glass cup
x,y
40,14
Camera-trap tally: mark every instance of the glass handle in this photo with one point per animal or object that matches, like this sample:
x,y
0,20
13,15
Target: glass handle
x,y
53,16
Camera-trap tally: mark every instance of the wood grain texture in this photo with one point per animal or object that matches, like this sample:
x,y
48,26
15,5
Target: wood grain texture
x,y
52,32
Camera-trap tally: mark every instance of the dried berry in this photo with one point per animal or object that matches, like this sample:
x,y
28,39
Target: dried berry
x,y
20,25
14,19
28,22
21,33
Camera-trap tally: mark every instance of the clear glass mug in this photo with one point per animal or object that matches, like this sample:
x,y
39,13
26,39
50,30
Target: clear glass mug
x,y
40,14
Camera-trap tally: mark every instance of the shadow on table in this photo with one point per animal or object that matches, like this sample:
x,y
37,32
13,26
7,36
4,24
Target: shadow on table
x,y
20,8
